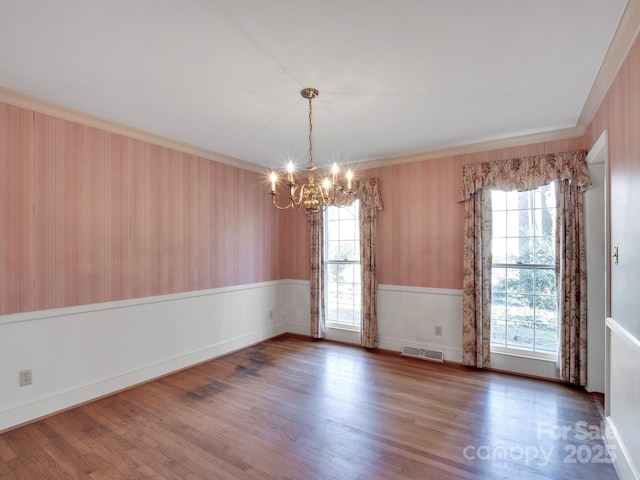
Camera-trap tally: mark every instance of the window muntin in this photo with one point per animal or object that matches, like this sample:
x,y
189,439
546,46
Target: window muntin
x,y
524,301
343,291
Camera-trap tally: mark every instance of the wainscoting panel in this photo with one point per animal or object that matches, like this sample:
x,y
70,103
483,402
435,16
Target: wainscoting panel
x,y
409,316
623,398
80,353
406,316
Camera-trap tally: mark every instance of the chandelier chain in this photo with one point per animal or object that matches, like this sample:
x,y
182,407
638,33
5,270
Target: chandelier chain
x,y
310,136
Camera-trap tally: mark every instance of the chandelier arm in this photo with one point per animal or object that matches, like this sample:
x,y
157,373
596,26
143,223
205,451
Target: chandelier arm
x,y
273,199
326,200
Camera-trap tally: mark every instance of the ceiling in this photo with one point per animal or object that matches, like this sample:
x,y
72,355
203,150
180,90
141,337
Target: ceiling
x,y
396,78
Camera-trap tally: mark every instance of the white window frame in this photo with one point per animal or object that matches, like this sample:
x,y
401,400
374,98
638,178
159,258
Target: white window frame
x,y
328,262
524,351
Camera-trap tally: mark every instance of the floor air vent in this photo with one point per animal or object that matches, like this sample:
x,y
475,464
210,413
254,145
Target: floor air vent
x,y
423,353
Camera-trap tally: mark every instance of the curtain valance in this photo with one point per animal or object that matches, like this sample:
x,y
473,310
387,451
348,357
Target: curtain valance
x,y
368,192
525,173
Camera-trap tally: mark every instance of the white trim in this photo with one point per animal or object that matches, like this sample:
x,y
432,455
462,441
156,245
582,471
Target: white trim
x,y
517,141
292,281
97,307
346,328
622,332
621,43
596,155
623,466
523,353
410,289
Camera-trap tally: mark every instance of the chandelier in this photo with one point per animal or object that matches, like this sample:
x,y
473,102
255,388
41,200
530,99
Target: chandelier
x,y
313,196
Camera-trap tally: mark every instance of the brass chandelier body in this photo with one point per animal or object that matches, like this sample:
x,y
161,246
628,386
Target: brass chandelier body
x,y
311,195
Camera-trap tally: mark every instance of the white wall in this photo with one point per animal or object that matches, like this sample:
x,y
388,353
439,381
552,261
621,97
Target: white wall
x,y
80,353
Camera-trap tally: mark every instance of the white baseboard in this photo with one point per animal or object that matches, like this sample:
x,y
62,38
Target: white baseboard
x,y
624,467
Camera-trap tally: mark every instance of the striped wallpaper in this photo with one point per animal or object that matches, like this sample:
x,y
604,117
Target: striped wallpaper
x,y
88,216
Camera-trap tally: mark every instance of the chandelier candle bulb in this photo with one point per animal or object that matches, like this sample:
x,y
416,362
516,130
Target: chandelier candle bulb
x,y
349,177
334,173
290,170
273,178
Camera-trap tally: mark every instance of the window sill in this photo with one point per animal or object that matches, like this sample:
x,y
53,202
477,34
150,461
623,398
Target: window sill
x,y
545,357
335,326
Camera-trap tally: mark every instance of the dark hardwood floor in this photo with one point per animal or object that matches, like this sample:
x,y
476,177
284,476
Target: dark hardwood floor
x,y
291,408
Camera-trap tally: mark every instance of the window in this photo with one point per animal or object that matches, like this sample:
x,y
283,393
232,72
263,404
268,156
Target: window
x,y
343,290
523,300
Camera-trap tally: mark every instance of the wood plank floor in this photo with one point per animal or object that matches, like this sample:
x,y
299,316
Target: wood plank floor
x,y
295,409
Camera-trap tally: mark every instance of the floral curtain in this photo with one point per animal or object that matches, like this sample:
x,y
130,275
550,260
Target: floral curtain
x,y
368,193
571,268
527,173
476,299
316,236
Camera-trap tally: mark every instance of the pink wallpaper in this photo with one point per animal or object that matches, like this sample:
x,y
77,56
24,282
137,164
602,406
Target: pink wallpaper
x,y
619,113
420,229
89,216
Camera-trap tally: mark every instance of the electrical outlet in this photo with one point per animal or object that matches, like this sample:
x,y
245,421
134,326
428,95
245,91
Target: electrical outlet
x,y
25,378
438,330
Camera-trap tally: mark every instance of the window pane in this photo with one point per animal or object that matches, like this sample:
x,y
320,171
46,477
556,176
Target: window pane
x,y
333,229
520,280
350,250
513,223
331,273
332,248
498,280
545,282
512,200
498,318
498,200
499,224
546,324
499,249
519,335
520,250
545,250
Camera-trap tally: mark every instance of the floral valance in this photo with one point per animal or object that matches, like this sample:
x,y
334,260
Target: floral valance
x,y
368,192
525,173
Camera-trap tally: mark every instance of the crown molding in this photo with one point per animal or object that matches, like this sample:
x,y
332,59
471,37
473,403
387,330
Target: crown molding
x,y
518,141
48,108
622,41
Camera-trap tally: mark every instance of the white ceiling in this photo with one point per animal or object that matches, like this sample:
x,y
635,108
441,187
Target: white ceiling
x,y
395,77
